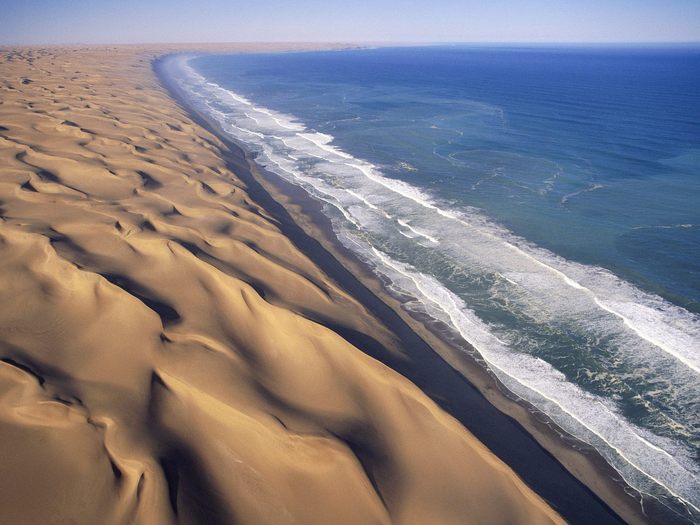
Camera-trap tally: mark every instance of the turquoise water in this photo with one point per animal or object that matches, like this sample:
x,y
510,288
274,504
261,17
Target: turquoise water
x,y
544,203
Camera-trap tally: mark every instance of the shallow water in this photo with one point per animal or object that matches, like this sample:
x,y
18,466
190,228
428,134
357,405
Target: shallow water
x,y
542,202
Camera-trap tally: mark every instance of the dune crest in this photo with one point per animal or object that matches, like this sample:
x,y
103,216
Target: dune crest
x,y
164,350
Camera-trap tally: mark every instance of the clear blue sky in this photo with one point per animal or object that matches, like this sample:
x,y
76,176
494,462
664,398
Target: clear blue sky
x,y
118,21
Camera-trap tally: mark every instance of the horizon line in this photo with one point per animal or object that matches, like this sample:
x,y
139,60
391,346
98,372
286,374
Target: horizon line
x,y
377,43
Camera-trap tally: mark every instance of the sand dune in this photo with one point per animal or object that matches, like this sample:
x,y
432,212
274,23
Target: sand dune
x,y
164,354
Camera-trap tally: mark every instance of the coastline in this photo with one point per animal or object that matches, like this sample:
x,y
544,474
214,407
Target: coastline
x,y
303,221
193,324
165,355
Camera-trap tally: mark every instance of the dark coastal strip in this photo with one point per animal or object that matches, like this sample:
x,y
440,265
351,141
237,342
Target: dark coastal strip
x,y
503,435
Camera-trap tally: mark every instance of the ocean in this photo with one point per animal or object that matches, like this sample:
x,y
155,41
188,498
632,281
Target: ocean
x,y
543,203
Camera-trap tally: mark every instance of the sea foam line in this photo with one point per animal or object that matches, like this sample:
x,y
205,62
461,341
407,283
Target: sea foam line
x,y
458,321
416,196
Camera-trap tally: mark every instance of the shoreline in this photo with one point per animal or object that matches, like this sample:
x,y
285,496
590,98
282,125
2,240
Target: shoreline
x,y
569,474
165,355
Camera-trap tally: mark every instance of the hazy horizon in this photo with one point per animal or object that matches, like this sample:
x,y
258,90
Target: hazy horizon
x,y
382,21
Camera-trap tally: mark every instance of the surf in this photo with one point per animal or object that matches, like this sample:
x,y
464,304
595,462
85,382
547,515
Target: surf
x,y
428,248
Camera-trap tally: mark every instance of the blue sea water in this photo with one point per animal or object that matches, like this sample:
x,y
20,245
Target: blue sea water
x,y
542,202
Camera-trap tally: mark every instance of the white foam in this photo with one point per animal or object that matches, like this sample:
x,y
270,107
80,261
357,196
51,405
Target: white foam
x,y
252,118
537,378
323,141
368,203
418,232
248,131
566,198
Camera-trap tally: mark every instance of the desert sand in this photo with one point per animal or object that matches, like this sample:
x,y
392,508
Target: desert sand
x,y
164,350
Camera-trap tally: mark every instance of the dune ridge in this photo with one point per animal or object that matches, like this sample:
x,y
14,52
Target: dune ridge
x,y
164,356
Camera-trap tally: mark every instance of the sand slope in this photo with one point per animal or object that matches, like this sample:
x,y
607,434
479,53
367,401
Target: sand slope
x,y
163,351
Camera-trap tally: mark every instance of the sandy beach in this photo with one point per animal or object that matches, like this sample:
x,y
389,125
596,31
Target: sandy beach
x,y
176,348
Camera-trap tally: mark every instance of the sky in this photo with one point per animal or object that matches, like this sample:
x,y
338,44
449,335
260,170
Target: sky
x,y
147,21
